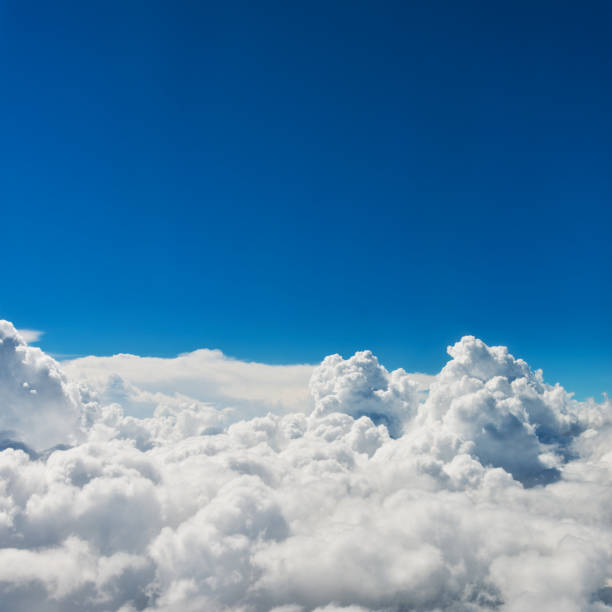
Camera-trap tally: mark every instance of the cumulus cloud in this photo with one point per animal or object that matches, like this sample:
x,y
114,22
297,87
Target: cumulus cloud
x,y
493,492
204,377
360,386
29,380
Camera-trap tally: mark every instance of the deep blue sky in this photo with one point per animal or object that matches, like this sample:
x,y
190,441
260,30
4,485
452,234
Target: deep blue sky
x,y
285,180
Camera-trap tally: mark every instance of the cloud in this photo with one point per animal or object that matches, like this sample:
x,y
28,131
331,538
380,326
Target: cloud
x,y
203,377
142,384
30,335
506,412
490,493
37,402
360,386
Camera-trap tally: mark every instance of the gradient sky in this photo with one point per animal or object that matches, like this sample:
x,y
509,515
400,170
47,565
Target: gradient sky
x,y
287,180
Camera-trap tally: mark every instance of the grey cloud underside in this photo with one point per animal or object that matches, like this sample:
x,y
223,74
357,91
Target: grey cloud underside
x,y
491,492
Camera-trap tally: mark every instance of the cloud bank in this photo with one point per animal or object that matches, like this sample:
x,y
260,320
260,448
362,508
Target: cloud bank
x,y
204,377
492,492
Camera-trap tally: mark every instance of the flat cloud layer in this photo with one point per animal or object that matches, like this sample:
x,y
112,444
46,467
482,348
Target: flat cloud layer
x,y
492,492
143,385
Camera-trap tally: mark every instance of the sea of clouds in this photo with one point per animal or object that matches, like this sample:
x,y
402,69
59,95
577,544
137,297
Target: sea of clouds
x,y
203,483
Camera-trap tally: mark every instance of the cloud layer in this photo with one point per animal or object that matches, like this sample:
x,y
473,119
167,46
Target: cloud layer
x,y
203,377
491,493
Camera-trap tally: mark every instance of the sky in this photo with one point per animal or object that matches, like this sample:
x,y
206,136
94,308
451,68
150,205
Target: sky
x,y
283,181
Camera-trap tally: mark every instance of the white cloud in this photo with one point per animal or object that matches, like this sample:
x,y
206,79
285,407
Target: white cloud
x,y
203,377
493,494
30,335
37,404
141,384
360,386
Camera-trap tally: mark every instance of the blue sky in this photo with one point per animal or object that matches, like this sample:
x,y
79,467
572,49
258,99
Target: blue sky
x,y
287,180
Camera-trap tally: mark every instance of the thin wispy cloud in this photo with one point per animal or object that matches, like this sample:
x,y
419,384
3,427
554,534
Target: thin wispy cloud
x,y
31,335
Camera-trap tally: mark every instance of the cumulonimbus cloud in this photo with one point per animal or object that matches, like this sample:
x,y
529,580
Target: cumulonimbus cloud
x,y
491,492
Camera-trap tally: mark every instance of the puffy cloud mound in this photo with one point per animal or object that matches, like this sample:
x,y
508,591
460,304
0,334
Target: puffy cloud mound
x,y
493,493
30,380
508,415
360,386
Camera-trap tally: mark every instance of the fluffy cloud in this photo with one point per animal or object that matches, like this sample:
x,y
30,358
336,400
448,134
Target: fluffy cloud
x,y
29,380
509,416
144,385
204,377
492,493
360,386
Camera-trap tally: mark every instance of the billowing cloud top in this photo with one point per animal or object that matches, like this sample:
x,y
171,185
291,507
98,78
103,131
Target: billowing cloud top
x,y
360,386
36,401
491,492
